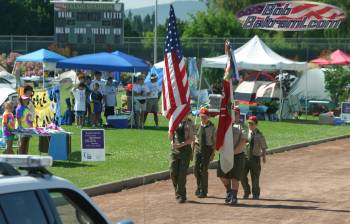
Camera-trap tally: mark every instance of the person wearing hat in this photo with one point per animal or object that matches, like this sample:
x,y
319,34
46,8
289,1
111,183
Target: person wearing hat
x,y
204,152
152,100
24,119
231,179
256,148
180,156
97,80
140,93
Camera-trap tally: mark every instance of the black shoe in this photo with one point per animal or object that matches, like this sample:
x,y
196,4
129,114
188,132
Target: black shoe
x,y
256,197
197,193
229,195
202,195
233,200
181,200
245,196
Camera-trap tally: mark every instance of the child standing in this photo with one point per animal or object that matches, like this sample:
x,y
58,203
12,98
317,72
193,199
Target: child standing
x,y
8,126
96,104
24,118
204,152
79,103
255,149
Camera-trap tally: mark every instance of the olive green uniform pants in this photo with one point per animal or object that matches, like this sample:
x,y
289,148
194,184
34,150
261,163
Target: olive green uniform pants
x,y
253,166
180,161
201,165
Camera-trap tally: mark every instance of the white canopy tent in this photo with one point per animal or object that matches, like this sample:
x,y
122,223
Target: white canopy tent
x,y
255,55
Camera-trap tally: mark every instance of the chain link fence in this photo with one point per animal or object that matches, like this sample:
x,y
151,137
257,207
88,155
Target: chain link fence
x,y
301,49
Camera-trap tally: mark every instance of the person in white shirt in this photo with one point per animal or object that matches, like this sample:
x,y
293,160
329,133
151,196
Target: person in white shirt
x,y
140,94
98,80
152,100
110,97
79,103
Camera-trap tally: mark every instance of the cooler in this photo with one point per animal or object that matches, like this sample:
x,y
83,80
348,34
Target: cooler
x,y
118,121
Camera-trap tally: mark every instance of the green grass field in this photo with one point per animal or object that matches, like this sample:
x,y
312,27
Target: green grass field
x,y
134,152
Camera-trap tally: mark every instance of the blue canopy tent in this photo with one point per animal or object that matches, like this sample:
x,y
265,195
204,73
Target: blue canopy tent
x,y
112,62
43,56
104,62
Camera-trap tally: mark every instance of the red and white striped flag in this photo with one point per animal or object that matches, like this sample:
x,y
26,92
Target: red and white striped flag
x,y
224,137
175,88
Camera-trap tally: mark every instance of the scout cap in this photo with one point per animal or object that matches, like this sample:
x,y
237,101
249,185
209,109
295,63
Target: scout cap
x,y
252,119
203,111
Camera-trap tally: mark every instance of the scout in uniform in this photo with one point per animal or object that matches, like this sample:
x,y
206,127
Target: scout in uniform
x,y
232,178
203,152
181,154
256,148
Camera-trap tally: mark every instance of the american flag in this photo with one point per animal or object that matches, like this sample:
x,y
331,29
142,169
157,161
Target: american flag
x,y
175,88
224,136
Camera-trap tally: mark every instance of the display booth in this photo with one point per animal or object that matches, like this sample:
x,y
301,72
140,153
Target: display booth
x,y
111,62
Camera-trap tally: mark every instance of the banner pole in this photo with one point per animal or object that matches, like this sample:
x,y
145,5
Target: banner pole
x,y
198,92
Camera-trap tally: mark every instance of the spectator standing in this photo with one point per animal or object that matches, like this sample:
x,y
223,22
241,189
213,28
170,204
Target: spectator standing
x,y
79,94
152,100
110,97
96,105
140,93
24,118
8,126
98,80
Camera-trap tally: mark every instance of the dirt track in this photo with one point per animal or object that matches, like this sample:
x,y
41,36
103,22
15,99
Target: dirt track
x,y
308,185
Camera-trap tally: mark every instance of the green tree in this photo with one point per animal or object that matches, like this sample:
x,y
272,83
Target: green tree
x,y
337,83
26,17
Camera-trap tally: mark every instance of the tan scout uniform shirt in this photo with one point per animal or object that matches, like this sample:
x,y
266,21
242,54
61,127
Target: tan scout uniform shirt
x,y
239,131
189,130
259,143
210,134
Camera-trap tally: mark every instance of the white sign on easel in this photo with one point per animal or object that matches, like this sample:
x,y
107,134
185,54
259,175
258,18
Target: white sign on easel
x,y
93,145
345,111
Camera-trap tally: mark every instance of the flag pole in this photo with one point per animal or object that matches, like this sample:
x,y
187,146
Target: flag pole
x,y
155,31
198,92
132,98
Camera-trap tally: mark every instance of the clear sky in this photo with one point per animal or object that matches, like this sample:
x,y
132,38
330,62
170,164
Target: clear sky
x,y
144,3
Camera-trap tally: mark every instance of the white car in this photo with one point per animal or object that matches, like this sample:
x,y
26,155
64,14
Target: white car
x,y
39,197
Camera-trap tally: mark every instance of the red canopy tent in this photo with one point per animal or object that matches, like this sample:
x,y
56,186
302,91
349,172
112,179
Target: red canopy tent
x,y
337,57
